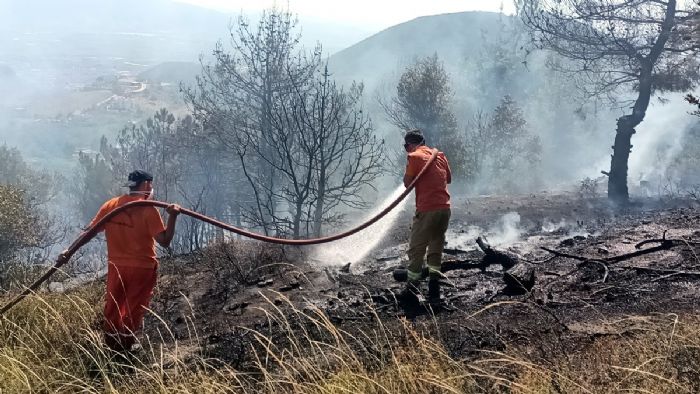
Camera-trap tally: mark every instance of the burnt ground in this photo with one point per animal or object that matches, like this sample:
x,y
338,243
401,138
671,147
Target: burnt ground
x,y
220,295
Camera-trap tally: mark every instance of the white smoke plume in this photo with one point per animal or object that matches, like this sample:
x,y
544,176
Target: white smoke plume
x,y
504,232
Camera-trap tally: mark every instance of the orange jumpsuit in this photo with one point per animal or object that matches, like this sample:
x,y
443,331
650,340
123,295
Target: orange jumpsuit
x,y
132,268
432,212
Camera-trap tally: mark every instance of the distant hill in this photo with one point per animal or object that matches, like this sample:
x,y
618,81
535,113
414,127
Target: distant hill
x,y
171,72
453,37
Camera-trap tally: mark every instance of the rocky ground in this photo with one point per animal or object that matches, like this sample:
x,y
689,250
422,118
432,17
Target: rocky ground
x,y
213,299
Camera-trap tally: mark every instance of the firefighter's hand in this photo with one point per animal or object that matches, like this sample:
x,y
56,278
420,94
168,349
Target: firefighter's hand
x,y
62,258
173,209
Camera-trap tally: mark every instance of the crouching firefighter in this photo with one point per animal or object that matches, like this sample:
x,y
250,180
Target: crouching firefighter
x,y
132,264
431,218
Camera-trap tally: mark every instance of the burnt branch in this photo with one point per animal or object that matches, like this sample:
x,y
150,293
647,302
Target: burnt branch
x,y
664,244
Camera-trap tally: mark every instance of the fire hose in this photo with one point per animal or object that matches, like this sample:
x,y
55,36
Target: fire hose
x,y
93,230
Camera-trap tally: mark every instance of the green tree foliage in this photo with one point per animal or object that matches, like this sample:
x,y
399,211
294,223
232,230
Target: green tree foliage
x,y
501,67
28,229
503,153
94,185
19,226
40,186
22,232
153,146
424,101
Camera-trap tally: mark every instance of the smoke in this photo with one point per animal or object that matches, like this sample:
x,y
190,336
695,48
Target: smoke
x,y
658,140
464,238
505,232
508,231
356,247
549,227
563,227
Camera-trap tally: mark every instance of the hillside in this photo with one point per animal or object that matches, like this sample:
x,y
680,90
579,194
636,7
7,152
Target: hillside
x,y
454,37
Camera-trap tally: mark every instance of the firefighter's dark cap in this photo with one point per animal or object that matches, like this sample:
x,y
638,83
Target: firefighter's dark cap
x,y
138,176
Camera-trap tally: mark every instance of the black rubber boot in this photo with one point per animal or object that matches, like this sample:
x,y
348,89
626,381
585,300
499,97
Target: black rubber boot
x,y
409,295
434,292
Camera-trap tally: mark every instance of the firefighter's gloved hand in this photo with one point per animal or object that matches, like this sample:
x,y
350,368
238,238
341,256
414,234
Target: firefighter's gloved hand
x,y
173,209
62,257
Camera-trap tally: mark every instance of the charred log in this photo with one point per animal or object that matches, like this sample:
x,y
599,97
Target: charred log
x,y
520,279
518,276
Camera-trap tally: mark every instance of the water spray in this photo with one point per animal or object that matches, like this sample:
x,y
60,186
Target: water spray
x,y
356,247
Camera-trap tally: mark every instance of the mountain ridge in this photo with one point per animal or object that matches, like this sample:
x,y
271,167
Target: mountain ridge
x,y
386,51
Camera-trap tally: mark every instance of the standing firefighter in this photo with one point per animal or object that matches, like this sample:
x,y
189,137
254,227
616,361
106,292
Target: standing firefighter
x,y
432,215
132,263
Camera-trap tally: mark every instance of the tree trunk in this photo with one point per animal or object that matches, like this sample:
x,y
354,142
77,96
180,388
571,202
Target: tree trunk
x,y
318,214
296,224
237,219
617,177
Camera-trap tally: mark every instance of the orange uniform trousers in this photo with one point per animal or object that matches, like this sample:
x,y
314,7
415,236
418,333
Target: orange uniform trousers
x,y
129,293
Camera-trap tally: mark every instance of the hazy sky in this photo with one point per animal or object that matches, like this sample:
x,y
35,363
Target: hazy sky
x,y
365,14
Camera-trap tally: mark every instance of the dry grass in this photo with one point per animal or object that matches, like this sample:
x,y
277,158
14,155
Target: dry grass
x,y
51,344
661,355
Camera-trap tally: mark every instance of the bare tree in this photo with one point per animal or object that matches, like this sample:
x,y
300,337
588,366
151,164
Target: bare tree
x,y
235,97
614,47
329,151
324,150
304,145
348,157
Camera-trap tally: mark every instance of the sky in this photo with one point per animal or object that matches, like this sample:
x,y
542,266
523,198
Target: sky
x,y
368,15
